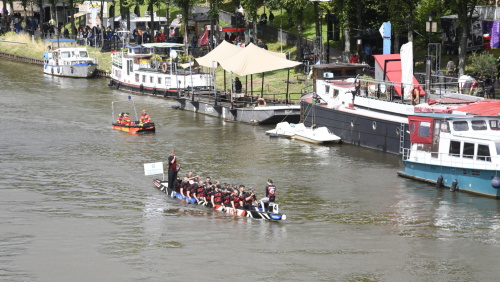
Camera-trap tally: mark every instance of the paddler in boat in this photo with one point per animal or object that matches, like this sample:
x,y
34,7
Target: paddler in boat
x,y
199,192
144,118
120,118
270,195
126,119
226,199
183,186
189,191
249,198
236,199
217,196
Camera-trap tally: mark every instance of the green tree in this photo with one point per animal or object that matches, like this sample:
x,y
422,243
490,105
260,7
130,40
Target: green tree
x,y
185,6
298,11
484,64
251,13
464,9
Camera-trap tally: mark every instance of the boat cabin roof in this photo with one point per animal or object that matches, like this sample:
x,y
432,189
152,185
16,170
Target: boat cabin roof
x,y
453,116
338,70
59,40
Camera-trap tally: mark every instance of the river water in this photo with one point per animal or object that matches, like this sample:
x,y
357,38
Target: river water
x,y
75,204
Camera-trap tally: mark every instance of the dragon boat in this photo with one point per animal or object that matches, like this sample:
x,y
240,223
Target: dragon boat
x,y
271,213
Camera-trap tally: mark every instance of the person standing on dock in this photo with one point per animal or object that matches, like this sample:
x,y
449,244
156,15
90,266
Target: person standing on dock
x,y
172,169
237,85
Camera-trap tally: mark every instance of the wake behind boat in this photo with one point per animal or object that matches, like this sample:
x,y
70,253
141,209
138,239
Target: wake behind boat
x,y
270,213
69,60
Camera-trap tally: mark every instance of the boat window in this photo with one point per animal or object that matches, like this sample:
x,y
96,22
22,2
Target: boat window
x,y
468,151
136,77
159,80
327,89
460,126
479,125
483,153
335,93
412,128
64,55
445,127
351,72
497,146
150,79
337,73
167,81
374,125
495,125
84,54
455,148
143,78
424,129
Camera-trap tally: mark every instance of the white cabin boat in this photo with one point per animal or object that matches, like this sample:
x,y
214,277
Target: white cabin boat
x,y
138,69
68,61
457,151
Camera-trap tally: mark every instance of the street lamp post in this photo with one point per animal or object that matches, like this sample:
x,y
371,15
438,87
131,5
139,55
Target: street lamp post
x,y
430,27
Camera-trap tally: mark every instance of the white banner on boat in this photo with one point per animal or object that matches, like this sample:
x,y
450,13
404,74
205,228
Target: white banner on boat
x,y
407,68
153,168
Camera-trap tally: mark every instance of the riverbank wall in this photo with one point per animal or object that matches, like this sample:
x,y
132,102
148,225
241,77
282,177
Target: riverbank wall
x,y
35,61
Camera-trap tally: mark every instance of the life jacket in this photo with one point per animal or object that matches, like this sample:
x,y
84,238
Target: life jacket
x,y
145,119
226,200
217,197
271,192
248,202
119,120
200,191
126,120
173,166
236,200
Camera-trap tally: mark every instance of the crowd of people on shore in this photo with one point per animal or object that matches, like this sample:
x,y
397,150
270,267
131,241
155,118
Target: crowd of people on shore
x,y
214,193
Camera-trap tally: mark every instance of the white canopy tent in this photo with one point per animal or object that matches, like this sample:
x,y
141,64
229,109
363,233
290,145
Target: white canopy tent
x,y
253,59
222,51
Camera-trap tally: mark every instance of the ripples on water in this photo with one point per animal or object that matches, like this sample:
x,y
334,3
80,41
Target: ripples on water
x,y
73,192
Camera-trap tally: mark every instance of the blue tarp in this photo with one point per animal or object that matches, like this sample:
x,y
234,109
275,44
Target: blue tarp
x,y
60,40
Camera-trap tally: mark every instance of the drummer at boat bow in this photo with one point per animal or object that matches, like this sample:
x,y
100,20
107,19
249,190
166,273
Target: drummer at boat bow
x,y
270,194
144,118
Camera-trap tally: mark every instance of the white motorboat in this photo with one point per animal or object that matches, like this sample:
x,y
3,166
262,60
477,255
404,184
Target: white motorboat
x,y
69,61
282,129
316,135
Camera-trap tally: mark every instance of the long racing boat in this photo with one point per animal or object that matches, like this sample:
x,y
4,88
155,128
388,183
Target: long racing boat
x,y
271,213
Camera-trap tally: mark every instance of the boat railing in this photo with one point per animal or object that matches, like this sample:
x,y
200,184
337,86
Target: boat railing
x,y
116,59
450,160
